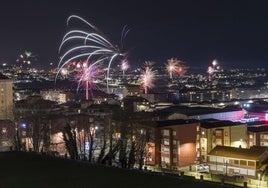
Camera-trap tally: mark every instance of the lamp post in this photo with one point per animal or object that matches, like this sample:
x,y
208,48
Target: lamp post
x,y
259,178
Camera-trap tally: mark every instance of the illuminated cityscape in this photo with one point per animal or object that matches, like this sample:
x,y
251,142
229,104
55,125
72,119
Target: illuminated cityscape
x,y
201,115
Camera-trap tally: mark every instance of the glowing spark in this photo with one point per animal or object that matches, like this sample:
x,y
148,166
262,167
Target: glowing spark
x,y
64,72
214,63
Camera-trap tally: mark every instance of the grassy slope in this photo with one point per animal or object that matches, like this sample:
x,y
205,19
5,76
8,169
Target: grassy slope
x,y
29,170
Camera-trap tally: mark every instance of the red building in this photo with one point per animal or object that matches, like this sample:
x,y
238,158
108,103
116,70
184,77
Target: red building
x,y
176,144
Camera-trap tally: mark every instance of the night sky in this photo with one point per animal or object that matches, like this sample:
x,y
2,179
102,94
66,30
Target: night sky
x,y
234,32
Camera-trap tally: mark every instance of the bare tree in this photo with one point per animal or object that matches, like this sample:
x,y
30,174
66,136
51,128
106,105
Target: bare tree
x,y
69,137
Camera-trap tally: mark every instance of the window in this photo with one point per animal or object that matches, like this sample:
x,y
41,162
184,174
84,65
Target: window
x,y
166,142
251,136
174,133
264,143
165,132
219,133
243,162
251,163
166,150
236,162
174,142
4,130
165,159
218,142
265,136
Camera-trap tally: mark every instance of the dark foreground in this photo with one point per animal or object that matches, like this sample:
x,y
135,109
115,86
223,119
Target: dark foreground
x,y
30,170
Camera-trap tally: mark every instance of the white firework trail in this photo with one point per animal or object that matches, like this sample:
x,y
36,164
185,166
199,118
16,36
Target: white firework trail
x,y
89,46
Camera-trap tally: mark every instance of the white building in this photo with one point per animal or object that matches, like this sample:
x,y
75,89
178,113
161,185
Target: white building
x,y
54,95
238,161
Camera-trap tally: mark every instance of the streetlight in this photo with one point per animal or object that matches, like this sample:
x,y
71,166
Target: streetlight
x,y
226,167
259,178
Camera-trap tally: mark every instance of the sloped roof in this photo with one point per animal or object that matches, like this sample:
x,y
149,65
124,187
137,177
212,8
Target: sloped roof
x,y
260,128
253,153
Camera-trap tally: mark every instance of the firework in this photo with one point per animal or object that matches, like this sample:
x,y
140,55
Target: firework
x,y
210,72
147,77
175,66
124,66
214,63
212,69
64,72
87,45
87,77
26,58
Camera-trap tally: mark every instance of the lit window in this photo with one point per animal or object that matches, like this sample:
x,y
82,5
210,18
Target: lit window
x,y
165,132
166,150
166,142
251,163
4,130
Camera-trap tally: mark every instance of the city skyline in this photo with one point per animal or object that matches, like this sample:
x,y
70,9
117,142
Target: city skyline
x,y
234,33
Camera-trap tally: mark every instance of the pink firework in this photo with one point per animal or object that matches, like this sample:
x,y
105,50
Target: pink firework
x,y
210,72
212,69
147,77
124,66
175,66
64,72
87,77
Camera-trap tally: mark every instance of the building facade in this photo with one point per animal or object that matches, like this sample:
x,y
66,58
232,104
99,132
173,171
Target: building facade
x,y
6,98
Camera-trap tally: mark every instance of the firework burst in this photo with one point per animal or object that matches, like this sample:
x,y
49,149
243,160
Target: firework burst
x,y
26,58
212,69
175,66
124,66
89,46
147,78
87,77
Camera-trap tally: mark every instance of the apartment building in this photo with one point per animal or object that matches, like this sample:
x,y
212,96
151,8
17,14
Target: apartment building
x,y
238,161
6,98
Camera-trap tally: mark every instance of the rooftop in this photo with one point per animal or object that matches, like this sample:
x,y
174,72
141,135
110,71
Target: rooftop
x,y
212,123
253,153
258,128
191,111
175,122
